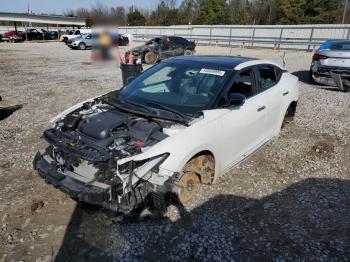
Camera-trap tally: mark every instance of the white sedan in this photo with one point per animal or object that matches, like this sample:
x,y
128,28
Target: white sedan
x,y
184,121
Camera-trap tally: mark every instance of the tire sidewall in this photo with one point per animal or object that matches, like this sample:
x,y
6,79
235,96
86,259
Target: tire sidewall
x,y
153,61
188,52
82,46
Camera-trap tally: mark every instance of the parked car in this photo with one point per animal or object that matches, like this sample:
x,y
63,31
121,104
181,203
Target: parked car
x,y
71,40
83,42
49,35
0,37
34,34
74,34
120,40
185,121
331,64
14,36
163,47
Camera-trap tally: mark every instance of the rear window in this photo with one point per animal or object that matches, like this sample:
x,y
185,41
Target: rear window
x,y
340,46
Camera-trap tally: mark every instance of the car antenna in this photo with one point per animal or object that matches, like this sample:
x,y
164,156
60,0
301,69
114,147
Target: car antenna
x,y
283,59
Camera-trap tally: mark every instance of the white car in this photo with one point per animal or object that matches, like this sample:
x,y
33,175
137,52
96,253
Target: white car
x,y
74,34
331,64
184,121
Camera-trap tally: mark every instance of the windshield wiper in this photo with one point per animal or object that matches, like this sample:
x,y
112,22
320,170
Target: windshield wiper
x,y
116,103
167,109
138,105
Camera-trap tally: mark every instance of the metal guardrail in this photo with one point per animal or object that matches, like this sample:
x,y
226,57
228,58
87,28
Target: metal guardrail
x,y
305,37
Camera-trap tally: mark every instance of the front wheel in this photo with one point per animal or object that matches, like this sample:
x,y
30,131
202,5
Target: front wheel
x,y
151,58
189,185
188,52
82,46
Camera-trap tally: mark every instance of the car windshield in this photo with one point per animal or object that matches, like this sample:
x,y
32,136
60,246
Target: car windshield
x,y
182,88
340,46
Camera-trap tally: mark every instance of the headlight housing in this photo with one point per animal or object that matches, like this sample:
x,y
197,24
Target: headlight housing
x,y
142,167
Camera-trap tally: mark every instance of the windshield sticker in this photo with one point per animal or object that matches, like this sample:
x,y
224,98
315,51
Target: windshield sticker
x,y
212,72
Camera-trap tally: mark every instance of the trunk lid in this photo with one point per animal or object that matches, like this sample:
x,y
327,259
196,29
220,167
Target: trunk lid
x,y
336,58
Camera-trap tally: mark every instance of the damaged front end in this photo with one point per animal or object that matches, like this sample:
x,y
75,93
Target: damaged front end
x,y
91,154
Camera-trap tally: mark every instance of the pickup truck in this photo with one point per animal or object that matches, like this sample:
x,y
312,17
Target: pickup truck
x,y
74,34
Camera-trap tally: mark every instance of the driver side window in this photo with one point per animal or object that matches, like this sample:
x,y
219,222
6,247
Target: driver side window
x,y
244,83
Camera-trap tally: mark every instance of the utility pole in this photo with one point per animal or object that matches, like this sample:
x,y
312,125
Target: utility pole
x,y
345,9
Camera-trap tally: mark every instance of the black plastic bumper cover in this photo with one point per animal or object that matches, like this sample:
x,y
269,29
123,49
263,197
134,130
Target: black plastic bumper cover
x,y
74,188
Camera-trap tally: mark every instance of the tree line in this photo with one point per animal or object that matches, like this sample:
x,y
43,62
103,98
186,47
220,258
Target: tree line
x,y
213,12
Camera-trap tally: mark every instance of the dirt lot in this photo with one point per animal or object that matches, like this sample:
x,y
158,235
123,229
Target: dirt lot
x,y
291,201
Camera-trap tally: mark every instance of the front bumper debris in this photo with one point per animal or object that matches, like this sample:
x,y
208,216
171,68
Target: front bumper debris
x,y
95,193
109,196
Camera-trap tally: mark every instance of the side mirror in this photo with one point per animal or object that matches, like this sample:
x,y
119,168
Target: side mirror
x,y
236,99
130,78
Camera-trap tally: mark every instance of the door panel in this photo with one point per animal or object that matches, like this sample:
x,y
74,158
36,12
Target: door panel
x,y
244,127
273,97
272,103
166,47
242,131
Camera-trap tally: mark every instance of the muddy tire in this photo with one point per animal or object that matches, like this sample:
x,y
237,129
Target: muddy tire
x,y
82,46
151,58
189,185
188,52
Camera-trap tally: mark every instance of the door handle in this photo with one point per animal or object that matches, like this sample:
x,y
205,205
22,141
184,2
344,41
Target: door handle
x,y
261,108
285,93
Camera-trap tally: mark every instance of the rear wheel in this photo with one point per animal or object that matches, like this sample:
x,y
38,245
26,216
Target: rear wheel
x,y
151,58
289,115
82,46
189,184
188,52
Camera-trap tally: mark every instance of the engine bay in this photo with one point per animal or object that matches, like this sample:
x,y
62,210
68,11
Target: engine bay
x,y
102,133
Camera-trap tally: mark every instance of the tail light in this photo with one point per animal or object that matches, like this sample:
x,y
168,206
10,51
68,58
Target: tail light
x,y
317,57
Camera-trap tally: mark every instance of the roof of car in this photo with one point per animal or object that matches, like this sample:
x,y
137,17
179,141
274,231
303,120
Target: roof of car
x,y
229,62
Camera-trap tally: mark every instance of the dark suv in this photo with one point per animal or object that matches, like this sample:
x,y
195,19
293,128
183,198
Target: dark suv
x,y
34,34
162,47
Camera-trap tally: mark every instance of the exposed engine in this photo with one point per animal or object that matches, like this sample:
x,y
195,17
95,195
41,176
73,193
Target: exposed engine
x,y
88,143
101,133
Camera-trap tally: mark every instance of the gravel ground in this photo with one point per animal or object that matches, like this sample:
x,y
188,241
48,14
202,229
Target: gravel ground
x,y
289,202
